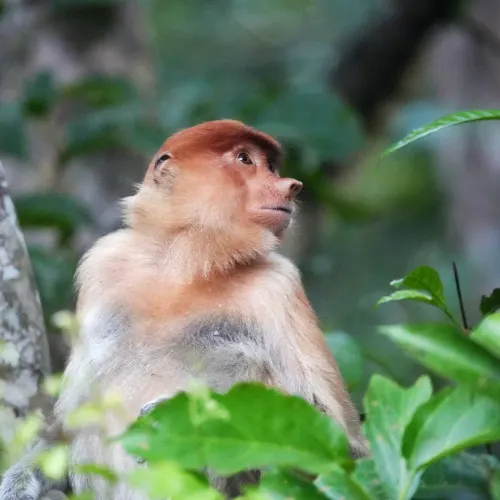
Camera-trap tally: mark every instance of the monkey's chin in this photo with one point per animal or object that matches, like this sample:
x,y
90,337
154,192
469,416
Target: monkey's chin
x,y
275,219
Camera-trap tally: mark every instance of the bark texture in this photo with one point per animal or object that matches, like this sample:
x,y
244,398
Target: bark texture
x,y
24,354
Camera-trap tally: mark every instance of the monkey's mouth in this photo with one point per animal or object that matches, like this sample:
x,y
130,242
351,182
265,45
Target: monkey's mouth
x,y
276,218
286,210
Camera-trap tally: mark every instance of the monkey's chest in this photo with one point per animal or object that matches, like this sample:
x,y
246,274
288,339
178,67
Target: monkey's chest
x,y
222,351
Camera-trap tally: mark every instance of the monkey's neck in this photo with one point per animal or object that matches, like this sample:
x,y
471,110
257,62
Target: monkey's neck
x,y
194,254
190,252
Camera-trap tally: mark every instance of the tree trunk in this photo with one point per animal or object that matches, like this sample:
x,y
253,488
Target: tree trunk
x,y
24,354
466,73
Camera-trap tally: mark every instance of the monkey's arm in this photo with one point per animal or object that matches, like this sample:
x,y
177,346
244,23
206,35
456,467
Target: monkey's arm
x,y
322,374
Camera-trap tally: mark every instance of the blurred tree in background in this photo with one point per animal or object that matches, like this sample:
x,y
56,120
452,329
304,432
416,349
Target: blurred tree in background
x,y
90,88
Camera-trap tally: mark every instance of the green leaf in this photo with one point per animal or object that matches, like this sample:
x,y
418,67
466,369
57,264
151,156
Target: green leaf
x,y
336,484
389,409
495,486
98,470
365,474
424,285
491,303
52,210
423,278
100,91
39,95
460,473
407,295
280,430
348,355
446,351
445,122
452,421
285,485
487,333
54,461
167,480
13,139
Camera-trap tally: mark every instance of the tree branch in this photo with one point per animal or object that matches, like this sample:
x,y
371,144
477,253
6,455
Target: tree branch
x,y
372,67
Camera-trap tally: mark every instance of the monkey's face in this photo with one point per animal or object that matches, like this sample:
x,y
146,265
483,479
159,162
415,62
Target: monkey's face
x,y
264,198
223,175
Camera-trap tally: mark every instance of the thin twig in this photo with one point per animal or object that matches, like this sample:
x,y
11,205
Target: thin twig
x,y
460,298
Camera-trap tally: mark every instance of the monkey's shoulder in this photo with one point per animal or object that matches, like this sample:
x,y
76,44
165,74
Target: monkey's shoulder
x,y
107,259
275,276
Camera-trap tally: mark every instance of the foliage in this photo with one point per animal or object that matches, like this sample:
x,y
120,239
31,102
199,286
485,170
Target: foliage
x,y
54,268
445,122
420,440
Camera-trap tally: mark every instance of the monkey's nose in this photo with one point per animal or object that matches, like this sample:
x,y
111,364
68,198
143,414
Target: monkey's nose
x,y
294,187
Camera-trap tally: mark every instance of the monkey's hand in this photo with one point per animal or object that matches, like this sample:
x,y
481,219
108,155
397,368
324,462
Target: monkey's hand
x,y
54,495
22,483
147,408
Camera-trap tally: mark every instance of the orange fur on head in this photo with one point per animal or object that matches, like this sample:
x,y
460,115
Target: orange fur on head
x,y
213,197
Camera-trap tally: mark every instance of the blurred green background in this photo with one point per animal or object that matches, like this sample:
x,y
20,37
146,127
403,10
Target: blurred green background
x,y
89,89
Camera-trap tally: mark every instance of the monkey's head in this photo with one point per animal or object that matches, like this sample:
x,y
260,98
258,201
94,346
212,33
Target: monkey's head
x,y
220,177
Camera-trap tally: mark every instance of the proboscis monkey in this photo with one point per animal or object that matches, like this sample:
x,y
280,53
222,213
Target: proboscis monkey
x,y
193,287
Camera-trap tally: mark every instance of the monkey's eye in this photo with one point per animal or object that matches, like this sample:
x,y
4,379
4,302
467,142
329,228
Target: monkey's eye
x,y
244,158
271,165
161,159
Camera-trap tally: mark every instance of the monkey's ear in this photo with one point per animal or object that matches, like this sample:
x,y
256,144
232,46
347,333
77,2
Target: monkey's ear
x,y
161,171
161,160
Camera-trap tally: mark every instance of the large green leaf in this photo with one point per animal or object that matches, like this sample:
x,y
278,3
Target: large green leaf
x,y
13,139
365,474
445,122
487,334
348,355
446,351
168,480
52,210
254,426
451,422
286,484
337,484
39,95
424,285
389,409
461,473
